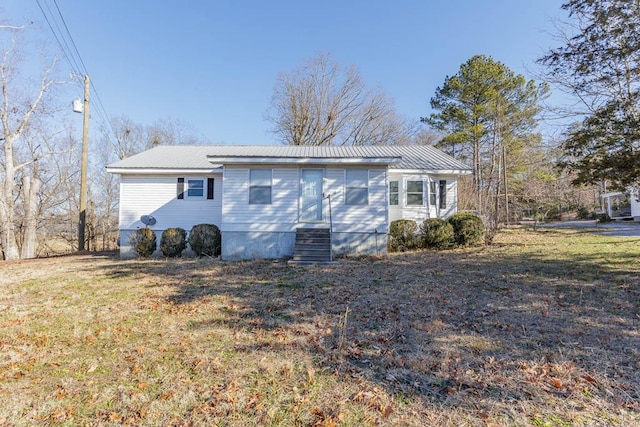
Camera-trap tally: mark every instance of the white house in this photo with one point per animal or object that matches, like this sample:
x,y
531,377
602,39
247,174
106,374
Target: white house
x,y
260,195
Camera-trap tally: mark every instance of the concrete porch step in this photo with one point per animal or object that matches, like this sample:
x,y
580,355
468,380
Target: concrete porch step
x,y
312,246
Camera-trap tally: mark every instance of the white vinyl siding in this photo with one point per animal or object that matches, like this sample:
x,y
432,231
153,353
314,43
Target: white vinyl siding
x,y
358,218
156,196
282,214
239,215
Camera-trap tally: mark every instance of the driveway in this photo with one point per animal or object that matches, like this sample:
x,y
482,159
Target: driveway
x,y
623,228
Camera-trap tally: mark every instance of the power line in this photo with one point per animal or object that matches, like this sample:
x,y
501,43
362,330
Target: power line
x,y
73,57
101,110
55,35
75,48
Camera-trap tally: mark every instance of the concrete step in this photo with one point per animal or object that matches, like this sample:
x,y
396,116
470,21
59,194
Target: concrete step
x,y
312,246
296,262
313,241
312,252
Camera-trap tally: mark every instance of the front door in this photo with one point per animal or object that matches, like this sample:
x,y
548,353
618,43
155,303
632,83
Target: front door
x,y
311,195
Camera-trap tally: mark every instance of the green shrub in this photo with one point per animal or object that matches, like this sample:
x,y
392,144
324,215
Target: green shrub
x,y
205,239
436,234
584,213
603,218
468,228
173,242
402,235
143,241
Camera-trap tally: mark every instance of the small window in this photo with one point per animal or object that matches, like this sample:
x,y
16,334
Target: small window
x,y
195,188
357,187
432,193
415,193
260,186
393,193
443,193
190,188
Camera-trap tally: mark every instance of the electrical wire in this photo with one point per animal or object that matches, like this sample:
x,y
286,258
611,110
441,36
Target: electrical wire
x,y
74,58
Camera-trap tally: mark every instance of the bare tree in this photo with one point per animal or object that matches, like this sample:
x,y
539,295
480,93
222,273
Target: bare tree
x,y
124,138
19,161
132,138
322,104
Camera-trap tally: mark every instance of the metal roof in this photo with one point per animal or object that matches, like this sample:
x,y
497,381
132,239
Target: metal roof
x,y
208,157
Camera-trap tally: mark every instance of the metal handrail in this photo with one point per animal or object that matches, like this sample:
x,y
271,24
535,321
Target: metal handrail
x,y
328,196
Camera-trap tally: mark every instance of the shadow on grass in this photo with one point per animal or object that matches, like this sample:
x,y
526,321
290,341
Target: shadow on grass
x,y
474,327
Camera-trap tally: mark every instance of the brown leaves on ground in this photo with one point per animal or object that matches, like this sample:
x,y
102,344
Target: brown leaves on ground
x,y
537,329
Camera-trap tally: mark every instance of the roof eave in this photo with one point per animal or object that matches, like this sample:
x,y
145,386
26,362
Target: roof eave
x,y
237,160
435,171
161,171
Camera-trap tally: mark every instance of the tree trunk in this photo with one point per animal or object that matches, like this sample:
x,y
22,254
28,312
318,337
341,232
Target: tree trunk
x,y
8,232
506,187
31,190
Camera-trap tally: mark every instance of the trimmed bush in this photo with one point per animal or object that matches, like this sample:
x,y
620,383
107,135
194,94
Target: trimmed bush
x,y
603,218
205,239
436,234
402,235
468,228
143,241
173,242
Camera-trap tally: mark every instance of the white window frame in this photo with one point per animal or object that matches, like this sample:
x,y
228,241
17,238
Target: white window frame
x,y
397,192
270,186
187,187
433,193
406,191
347,187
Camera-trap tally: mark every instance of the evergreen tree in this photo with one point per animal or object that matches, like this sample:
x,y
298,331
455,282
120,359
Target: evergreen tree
x,y
600,65
488,116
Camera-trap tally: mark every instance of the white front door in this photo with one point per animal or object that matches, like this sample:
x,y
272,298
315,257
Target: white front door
x,y
311,195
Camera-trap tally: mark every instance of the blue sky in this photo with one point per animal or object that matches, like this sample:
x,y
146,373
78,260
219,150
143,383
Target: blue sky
x,y
213,64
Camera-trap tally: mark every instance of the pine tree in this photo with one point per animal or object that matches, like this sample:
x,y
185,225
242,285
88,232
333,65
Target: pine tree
x,y
488,115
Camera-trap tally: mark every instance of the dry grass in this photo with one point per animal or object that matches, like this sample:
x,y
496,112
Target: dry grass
x,y
542,328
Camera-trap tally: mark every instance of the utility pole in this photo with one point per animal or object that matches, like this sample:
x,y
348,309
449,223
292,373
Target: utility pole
x,y
82,224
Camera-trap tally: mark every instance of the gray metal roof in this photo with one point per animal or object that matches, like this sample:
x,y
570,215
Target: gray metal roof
x,y
410,157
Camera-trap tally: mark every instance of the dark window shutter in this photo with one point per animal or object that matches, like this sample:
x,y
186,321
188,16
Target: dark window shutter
x,y
180,188
209,188
443,194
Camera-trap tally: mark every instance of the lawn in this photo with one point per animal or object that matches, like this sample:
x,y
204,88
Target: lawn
x,y
541,328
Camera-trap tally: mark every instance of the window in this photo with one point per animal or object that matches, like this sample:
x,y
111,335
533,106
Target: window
x,y
415,193
393,193
357,187
443,193
260,186
432,193
193,188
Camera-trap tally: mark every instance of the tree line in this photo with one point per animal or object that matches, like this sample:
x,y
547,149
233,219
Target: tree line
x,y
483,114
